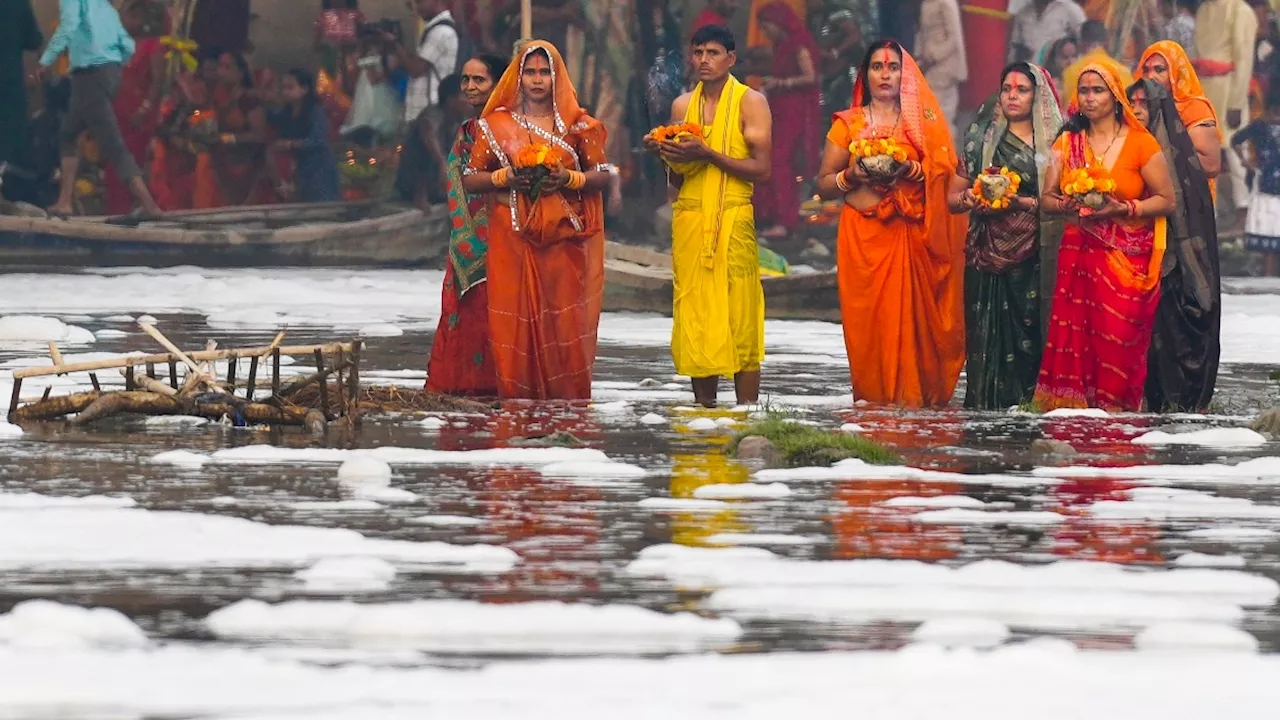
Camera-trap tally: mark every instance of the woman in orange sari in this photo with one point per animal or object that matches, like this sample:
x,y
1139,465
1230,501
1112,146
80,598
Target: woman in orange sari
x,y
546,239
1108,286
233,171
900,255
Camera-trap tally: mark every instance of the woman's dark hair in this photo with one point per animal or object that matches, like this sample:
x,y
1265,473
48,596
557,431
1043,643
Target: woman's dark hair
x,y
298,124
1021,68
246,75
495,65
333,4
1079,123
864,68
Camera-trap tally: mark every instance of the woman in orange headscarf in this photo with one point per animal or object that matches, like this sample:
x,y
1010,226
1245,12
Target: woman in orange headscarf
x,y
900,257
546,251
1185,345
1109,265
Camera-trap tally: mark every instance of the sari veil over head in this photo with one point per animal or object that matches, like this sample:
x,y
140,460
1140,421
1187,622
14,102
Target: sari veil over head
x,y
908,264
1188,94
985,135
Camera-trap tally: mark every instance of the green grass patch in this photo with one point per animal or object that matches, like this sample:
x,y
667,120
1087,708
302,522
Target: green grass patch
x,y
807,446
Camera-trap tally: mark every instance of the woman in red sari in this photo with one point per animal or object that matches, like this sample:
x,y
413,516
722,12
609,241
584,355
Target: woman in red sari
x,y
138,99
1109,265
795,101
233,170
546,252
461,360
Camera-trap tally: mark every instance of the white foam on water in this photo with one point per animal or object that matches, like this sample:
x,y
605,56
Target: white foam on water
x,y
36,328
965,516
1180,504
955,632
617,407
175,421
1257,471
652,419
35,501
221,683
110,334
529,457
41,624
335,505
702,424
464,626
1203,560
365,470
669,504
1195,638
1234,534
66,538
852,428
934,501
1211,437
180,458
1077,413
445,521
433,423
342,575
742,491
592,470
9,431
854,469
380,330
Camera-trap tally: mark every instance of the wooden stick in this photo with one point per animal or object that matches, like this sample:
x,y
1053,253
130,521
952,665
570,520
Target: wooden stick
x,y
128,378
93,378
275,371
526,19
53,353
232,365
342,385
151,370
253,377
14,398
353,383
160,338
150,384
173,373
324,386
275,344
128,360
47,390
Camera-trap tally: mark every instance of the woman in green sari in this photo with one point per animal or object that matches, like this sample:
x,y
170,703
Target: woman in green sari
x,y
1011,251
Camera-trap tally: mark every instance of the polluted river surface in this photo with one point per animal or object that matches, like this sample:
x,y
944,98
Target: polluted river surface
x,y
447,566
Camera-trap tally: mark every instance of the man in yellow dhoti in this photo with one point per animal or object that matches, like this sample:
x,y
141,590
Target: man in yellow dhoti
x,y
1226,31
719,302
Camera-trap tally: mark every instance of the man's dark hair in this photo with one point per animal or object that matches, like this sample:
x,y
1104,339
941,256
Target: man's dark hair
x,y
1093,33
450,87
718,34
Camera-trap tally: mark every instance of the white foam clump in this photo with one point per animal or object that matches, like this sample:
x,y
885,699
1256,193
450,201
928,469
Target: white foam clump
x,y
956,632
855,469
618,407
1174,503
934,501
9,431
742,491
445,521
35,501
670,504
339,575
589,470
368,478
1263,470
365,469
732,538
381,330
35,328
1195,637
528,457
965,516
1211,437
472,627
1233,534
1077,412
335,506
726,422
180,458
41,624
75,536
433,423
214,680
852,428
702,424
652,419
148,319
110,334
175,421
1203,560
252,317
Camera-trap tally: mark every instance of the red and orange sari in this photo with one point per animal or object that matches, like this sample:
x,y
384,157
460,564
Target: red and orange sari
x,y
1108,286
230,175
136,80
546,255
901,263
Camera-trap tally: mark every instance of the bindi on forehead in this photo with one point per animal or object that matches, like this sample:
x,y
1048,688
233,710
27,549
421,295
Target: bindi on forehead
x,y
884,56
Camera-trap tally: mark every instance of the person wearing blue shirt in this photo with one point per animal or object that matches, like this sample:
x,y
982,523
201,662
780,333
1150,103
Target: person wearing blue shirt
x,y
91,33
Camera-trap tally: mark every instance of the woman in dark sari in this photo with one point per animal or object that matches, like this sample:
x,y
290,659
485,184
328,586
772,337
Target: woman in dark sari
x,y
1182,366
1011,253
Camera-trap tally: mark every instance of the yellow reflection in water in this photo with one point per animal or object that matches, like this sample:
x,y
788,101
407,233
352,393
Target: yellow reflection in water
x,y
711,466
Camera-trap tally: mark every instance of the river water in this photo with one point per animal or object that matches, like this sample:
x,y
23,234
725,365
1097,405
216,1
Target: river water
x,y
249,573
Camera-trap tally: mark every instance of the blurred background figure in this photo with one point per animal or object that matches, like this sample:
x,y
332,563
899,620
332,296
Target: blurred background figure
x,y
18,34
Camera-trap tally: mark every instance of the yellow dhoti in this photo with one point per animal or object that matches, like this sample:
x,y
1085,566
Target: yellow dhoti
x,y
719,302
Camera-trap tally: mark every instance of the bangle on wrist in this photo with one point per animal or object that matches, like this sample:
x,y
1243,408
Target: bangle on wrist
x,y
842,182
576,180
501,178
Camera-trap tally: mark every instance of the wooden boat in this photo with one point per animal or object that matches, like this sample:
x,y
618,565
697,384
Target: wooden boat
x,y
638,279
354,234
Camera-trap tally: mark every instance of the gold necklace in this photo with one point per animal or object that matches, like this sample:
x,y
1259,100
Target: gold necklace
x,y
874,127
1103,157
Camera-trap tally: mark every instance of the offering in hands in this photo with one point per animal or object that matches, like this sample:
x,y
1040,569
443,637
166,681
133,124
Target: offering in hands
x,y
1091,185
996,187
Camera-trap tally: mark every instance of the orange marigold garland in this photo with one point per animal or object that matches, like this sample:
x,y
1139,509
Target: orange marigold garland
x,y
678,131
996,187
1090,185
536,162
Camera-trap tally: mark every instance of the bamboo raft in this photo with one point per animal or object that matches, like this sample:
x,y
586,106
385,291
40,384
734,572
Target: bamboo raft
x,y
330,393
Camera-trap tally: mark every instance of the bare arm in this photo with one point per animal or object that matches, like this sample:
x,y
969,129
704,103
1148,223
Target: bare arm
x,y
757,129
1051,197
808,72
1208,148
836,160
957,192
1155,173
